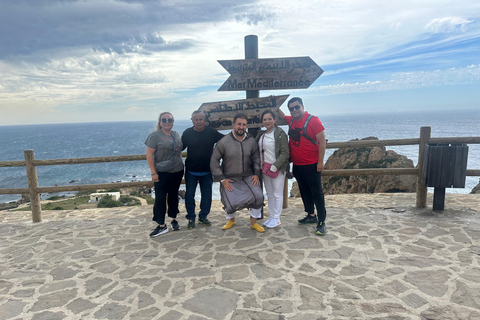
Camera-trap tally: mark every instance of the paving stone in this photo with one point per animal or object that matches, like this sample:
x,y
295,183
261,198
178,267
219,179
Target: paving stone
x,y
241,314
429,282
250,302
318,283
468,296
95,284
263,272
112,311
55,299
48,315
121,294
278,306
79,305
276,289
11,309
144,300
311,299
145,314
57,285
238,286
202,282
414,300
344,309
225,303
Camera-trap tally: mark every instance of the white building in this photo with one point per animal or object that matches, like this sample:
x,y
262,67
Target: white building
x,y
99,195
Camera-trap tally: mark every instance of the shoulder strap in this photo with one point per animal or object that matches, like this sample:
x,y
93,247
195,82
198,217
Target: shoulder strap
x,y
304,130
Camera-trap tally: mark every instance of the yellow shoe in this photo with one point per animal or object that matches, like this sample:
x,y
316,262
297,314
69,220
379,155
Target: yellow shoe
x,y
257,227
228,225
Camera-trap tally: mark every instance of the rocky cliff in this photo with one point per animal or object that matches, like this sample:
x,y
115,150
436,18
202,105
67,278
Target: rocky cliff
x,y
360,158
476,189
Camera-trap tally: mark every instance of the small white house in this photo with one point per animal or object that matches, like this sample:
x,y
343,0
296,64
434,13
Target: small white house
x,y
99,195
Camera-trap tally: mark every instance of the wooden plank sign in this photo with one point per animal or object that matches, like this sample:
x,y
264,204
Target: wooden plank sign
x,y
270,74
219,115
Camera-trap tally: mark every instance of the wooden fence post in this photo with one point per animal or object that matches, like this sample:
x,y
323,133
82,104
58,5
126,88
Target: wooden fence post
x,y
32,186
285,194
421,188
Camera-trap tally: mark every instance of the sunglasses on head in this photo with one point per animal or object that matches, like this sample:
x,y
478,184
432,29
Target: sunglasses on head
x,y
297,107
165,120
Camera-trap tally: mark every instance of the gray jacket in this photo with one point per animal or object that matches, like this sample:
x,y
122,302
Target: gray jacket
x,y
240,158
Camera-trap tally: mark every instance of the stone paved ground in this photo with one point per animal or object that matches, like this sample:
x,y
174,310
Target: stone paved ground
x,y
382,259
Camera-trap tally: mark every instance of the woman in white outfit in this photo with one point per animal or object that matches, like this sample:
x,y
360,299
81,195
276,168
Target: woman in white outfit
x,y
274,157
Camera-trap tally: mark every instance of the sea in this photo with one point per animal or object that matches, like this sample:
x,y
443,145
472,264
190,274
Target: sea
x,y
102,139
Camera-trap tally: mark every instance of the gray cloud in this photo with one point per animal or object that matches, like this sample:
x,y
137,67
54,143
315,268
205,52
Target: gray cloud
x,y
110,26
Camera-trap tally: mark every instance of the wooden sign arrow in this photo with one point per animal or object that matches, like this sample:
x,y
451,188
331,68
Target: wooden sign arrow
x,y
270,74
220,114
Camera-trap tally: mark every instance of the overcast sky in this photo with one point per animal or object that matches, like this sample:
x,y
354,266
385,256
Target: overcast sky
x,y
82,61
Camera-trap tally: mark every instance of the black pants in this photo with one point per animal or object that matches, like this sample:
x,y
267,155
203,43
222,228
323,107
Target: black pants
x,y
310,185
166,190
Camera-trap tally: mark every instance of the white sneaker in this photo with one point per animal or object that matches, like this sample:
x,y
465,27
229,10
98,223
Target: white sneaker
x,y
273,223
267,221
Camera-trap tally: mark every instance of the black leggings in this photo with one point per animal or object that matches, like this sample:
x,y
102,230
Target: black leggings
x,y
166,190
310,186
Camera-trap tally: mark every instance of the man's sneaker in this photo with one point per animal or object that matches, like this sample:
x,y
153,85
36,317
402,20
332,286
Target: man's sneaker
x,y
308,219
191,224
205,221
158,231
321,229
175,225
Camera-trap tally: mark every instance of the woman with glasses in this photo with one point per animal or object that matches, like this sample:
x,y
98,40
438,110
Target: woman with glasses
x,y
274,155
164,158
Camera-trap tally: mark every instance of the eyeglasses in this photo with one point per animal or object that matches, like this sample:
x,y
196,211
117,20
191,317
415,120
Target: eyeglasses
x,y
297,107
165,120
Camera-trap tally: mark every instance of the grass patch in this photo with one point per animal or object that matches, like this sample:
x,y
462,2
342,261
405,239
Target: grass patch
x,y
108,202
7,206
55,198
67,204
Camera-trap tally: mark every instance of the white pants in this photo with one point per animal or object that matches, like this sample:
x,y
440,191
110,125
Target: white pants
x,y
274,188
254,213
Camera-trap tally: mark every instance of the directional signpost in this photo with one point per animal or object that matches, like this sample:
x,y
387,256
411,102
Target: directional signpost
x,y
252,75
270,74
220,114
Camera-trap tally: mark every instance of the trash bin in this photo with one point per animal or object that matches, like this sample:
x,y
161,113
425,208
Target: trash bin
x,y
444,166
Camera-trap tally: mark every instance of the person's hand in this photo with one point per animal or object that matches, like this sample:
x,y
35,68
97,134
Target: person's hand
x,y
226,184
155,177
320,167
255,180
273,168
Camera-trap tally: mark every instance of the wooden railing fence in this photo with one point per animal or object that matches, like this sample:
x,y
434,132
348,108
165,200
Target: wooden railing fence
x,y
34,190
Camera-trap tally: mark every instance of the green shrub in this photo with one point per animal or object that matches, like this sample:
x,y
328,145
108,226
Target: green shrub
x,y
108,202
129,201
150,200
54,198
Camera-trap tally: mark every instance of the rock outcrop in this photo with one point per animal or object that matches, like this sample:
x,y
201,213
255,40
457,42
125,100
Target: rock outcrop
x,y
361,158
476,189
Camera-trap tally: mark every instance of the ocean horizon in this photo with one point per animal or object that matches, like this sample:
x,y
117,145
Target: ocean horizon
x,y
101,139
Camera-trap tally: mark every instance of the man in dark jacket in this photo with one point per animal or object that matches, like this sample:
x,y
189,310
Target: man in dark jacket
x,y
200,141
239,173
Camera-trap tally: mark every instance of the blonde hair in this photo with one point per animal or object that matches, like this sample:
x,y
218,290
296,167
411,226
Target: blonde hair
x,y
158,127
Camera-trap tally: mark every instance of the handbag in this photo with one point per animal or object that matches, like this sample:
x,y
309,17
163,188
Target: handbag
x,y
266,166
166,165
